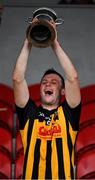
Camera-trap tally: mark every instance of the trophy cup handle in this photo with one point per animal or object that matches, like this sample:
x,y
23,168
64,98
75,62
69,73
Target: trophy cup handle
x,y
59,21
29,20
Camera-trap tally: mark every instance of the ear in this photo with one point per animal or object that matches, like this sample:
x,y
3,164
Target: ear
x,y
62,91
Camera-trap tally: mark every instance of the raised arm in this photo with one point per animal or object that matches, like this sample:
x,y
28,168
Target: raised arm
x,y
72,88
20,86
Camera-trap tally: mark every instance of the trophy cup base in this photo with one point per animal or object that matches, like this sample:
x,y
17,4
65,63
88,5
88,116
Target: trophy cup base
x,y
41,33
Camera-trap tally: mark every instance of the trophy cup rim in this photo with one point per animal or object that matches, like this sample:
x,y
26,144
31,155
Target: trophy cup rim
x,y
45,11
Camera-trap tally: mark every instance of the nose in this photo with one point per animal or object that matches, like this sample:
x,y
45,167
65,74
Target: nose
x,y
48,83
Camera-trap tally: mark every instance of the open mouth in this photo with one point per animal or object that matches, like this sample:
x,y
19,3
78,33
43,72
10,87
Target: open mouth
x,y
48,92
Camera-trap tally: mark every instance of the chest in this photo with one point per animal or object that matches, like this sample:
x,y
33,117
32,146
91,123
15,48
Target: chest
x,y
50,127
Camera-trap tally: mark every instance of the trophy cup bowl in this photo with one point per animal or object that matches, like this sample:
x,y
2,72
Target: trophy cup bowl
x,y
41,31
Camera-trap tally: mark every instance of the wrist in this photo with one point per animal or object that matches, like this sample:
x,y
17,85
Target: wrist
x,y
27,44
55,44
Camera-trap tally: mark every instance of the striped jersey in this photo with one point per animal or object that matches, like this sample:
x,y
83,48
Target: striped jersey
x,y
48,138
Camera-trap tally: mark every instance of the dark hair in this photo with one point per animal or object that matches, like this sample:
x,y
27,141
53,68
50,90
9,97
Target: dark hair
x,y
53,71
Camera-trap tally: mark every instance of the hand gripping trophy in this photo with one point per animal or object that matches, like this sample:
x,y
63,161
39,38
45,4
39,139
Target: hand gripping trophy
x,y
41,30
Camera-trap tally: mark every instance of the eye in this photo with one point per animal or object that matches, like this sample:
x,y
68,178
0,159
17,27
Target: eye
x,y
54,82
44,82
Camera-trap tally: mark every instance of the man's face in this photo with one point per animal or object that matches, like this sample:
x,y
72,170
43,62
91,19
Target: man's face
x,y
51,89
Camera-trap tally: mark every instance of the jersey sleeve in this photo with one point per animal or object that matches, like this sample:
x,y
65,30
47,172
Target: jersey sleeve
x,y
72,114
26,113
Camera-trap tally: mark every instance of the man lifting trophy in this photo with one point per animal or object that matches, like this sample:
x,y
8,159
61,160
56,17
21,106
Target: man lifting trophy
x,y
48,130
41,31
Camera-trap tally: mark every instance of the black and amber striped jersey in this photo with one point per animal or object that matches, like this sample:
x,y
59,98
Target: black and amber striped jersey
x,y
48,139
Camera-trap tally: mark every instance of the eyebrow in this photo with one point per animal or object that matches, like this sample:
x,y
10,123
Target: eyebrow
x,y
51,80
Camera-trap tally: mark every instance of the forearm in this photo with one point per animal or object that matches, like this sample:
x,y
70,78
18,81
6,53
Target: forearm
x,y
69,70
21,63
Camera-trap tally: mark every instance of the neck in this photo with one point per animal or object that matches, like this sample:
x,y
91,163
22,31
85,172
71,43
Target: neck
x,y
49,107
